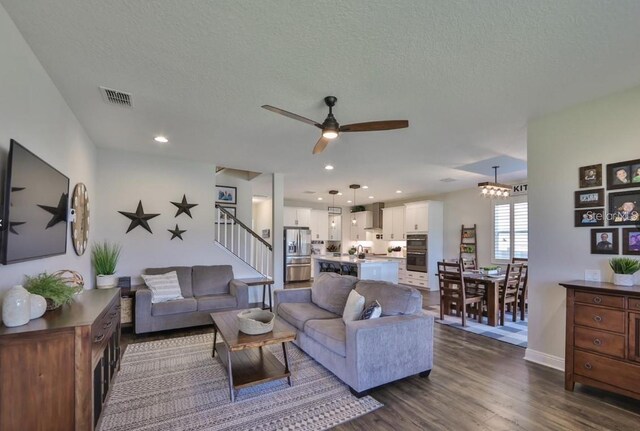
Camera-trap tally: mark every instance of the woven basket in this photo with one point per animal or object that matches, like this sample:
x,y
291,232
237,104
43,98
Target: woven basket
x,y
51,305
256,321
71,278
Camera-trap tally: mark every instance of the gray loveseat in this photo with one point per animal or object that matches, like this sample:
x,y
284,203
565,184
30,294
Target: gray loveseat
x,y
206,289
363,353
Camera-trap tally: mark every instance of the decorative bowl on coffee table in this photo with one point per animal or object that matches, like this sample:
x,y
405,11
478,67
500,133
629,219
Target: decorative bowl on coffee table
x,y
255,321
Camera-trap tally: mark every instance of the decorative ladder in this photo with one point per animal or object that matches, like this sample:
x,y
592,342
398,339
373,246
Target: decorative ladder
x,y
243,242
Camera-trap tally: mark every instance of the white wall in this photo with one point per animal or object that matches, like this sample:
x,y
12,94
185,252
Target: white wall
x,y
33,112
125,178
603,131
262,218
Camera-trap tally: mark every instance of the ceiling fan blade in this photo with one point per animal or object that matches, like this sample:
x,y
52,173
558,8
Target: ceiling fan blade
x,y
321,145
291,115
373,126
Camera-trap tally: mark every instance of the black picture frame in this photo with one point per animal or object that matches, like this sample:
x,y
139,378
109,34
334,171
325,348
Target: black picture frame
x,y
631,241
597,246
590,176
624,208
226,195
589,198
592,217
631,175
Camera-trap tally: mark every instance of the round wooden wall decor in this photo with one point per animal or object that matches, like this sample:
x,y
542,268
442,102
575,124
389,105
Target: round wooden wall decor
x,y
80,227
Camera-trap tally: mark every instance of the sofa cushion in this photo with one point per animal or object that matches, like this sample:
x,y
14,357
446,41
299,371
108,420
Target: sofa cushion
x,y
330,291
164,287
184,277
211,280
176,306
395,299
216,302
331,333
298,313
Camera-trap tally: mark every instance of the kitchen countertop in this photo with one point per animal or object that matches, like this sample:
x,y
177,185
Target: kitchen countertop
x,y
347,259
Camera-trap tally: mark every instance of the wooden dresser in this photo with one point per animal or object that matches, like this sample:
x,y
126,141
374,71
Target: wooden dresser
x,y
603,337
55,371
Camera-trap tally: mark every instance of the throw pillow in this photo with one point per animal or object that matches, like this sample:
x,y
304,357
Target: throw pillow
x,y
353,308
164,287
373,311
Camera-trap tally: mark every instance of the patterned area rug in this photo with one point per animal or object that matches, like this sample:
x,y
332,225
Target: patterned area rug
x,y
515,333
175,384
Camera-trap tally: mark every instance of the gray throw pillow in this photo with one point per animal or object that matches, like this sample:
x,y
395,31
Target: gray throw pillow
x,y
330,291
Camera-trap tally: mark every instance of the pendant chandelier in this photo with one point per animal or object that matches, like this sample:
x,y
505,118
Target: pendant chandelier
x,y
333,193
354,187
494,189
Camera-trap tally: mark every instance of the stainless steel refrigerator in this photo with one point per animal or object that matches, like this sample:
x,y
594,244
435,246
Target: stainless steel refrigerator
x,y
297,254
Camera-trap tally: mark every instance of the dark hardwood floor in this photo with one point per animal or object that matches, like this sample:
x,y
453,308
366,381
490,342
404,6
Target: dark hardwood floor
x,y
478,383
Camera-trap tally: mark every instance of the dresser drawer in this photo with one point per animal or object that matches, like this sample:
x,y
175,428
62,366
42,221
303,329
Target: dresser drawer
x,y
104,326
597,299
600,341
599,318
634,304
606,370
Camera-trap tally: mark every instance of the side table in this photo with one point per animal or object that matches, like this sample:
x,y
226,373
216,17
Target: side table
x,y
266,284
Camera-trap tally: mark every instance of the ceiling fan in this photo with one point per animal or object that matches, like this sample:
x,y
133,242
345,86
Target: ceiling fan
x,y
330,127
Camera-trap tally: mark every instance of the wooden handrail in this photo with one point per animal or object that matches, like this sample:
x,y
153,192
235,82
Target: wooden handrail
x,y
244,226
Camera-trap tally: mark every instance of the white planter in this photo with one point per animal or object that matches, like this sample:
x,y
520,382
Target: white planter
x,y
623,279
106,281
16,307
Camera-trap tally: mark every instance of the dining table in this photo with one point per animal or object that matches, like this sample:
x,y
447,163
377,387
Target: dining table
x,y
491,284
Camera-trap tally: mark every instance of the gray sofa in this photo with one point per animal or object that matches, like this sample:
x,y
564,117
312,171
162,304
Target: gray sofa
x,y
363,353
206,289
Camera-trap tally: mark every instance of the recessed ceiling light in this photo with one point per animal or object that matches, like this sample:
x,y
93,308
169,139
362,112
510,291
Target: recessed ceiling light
x,y
365,187
339,193
329,167
161,139
398,191
348,202
370,197
319,198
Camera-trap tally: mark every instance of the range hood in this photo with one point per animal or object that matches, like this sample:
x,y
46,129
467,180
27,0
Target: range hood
x,y
376,210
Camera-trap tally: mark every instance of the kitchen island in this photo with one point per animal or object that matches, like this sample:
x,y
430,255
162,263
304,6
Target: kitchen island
x,y
371,268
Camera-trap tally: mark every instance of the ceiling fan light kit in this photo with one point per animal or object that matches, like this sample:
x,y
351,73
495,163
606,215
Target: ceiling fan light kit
x,y
494,189
330,127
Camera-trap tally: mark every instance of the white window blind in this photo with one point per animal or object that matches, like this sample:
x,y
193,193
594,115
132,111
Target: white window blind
x,y
510,231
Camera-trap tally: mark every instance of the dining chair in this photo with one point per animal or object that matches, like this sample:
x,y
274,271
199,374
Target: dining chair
x,y
509,290
469,264
453,291
523,293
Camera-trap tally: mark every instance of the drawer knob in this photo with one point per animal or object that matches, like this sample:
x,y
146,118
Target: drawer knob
x,y
597,299
98,338
588,366
637,304
597,318
108,324
597,342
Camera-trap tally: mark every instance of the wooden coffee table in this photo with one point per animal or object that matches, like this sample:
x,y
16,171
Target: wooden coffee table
x,y
247,362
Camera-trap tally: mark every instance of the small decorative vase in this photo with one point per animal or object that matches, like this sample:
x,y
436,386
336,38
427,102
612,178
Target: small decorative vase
x,y
38,306
16,307
623,279
106,281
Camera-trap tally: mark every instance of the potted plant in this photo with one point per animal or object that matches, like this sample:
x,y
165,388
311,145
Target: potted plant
x,y
53,288
352,252
624,269
105,258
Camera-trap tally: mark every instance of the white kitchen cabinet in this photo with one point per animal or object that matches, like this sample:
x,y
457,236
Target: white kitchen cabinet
x,y
416,218
298,217
335,231
393,223
402,271
319,225
364,219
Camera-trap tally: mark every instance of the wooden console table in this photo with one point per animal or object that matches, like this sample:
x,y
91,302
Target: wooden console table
x,y
56,370
603,337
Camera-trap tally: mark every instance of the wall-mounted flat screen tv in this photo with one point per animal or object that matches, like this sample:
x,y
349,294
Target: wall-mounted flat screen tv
x,y
34,218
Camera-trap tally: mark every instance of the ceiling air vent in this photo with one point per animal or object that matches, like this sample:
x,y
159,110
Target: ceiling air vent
x,y
116,97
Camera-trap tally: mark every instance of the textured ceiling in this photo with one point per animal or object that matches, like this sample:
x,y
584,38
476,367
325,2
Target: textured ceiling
x,y
468,75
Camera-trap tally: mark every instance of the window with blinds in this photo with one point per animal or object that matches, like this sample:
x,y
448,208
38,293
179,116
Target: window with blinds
x,y
510,231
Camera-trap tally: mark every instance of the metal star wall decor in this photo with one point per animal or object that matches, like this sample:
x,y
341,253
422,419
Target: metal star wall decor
x,y
184,207
59,212
138,218
13,224
176,233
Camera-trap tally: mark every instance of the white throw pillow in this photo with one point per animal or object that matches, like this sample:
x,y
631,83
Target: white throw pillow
x,y
354,307
164,287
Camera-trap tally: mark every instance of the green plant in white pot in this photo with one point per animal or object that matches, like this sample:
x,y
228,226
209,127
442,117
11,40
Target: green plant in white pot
x,y
624,269
105,259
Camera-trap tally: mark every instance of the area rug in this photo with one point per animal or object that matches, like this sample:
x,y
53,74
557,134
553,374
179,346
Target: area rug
x,y
515,333
175,384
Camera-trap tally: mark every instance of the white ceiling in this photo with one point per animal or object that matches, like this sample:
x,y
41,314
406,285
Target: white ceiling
x,y
468,75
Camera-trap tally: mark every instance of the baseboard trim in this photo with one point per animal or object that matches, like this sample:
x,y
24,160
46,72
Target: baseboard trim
x,y
545,359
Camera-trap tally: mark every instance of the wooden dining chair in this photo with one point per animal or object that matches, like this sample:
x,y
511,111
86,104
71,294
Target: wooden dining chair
x,y
509,290
469,264
453,291
523,293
